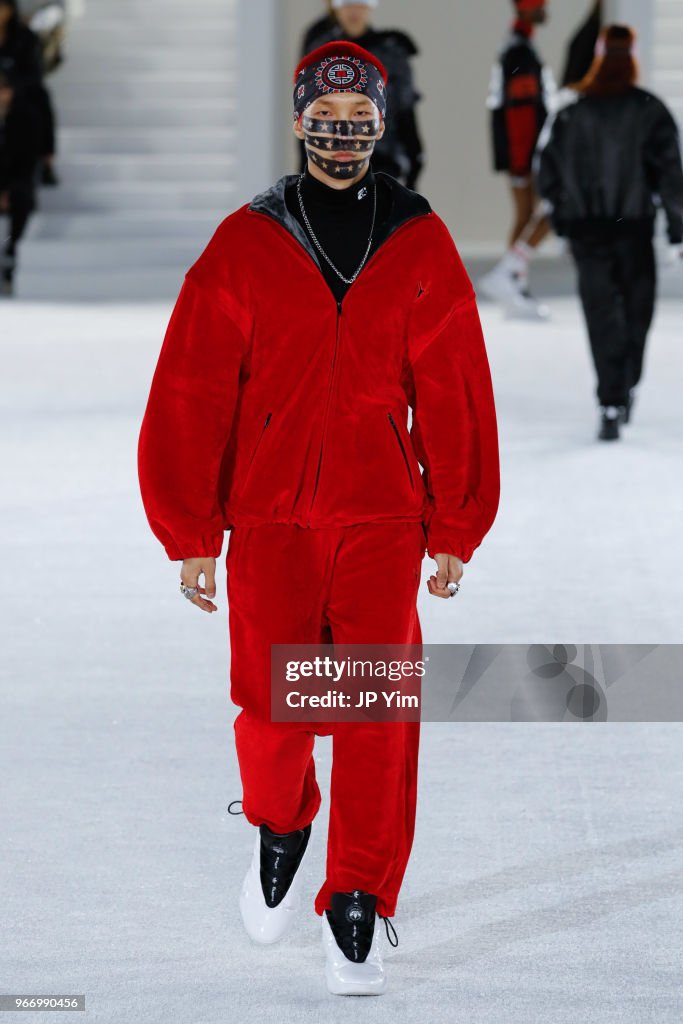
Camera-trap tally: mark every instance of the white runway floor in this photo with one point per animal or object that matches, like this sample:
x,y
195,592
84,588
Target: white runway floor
x,y
546,882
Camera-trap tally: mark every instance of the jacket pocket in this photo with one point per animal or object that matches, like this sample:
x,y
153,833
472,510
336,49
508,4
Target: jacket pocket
x,y
402,447
255,450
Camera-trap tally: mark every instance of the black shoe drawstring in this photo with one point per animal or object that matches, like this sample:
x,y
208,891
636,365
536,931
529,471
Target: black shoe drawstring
x,y
230,805
388,925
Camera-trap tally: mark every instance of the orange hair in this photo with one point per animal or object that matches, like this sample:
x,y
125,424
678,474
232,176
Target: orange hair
x,y
614,68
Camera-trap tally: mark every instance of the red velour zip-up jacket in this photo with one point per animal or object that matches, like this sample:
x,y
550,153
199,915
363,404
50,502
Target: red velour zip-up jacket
x,y
272,402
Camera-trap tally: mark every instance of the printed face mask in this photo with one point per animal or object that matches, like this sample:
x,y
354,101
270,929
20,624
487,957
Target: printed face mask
x,y
324,138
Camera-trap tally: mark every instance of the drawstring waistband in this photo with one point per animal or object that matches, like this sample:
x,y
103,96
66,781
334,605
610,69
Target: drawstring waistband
x,y
230,805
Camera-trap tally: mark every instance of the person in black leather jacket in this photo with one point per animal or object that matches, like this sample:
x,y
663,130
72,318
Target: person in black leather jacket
x,y
604,165
400,151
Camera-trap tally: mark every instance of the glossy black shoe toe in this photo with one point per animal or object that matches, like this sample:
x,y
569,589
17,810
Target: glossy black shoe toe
x,y
281,856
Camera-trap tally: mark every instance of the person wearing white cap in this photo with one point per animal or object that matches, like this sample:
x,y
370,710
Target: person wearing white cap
x,y
352,3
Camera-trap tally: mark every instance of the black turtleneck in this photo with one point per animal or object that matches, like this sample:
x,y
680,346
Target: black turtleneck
x,y
341,220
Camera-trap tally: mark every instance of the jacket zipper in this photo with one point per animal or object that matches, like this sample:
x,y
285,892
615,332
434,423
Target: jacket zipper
x,y
256,448
327,410
376,253
313,260
403,451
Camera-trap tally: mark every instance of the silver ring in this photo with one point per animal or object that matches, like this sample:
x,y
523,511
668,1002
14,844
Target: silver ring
x,y
188,592
453,587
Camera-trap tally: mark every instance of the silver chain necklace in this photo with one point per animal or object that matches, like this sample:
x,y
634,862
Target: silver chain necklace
x,y
346,280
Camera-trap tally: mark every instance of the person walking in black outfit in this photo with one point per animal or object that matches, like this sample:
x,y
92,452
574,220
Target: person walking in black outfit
x,y
321,28
21,58
19,154
604,164
400,151
20,49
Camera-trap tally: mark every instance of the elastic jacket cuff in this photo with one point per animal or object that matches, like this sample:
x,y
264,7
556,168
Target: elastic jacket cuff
x,y
442,544
201,547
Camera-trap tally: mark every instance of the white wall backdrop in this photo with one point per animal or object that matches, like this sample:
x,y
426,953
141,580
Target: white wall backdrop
x,y
642,14
262,75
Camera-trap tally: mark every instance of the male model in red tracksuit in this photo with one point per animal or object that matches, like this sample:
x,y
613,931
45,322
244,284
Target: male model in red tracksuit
x,y
317,316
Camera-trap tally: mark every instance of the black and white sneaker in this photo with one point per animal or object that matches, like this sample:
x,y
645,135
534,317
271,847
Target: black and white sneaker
x,y
611,417
351,939
270,894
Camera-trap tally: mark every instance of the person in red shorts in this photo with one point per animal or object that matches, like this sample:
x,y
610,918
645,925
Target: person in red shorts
x,y
521,95
320,315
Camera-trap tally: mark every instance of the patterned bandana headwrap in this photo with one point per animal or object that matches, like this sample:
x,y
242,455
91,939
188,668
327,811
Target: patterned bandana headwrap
x,y
339,67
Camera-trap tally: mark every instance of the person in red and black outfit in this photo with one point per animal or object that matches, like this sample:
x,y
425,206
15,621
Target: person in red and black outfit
x,y
520,96
319,315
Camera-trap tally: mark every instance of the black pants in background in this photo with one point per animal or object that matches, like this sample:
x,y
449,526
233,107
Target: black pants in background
x,y
21,206
617,285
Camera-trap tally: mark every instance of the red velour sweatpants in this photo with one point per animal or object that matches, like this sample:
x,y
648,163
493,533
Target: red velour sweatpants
x,y
347,584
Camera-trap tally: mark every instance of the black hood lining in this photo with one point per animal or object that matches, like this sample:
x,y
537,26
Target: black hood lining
x,y
405,206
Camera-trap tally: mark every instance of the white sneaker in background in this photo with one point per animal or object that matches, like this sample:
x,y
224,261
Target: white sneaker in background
x,y
525,307
502,284
508,284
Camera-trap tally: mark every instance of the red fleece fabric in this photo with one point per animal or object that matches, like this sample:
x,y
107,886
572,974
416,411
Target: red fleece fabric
x,y
337,48
286,584
269,405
